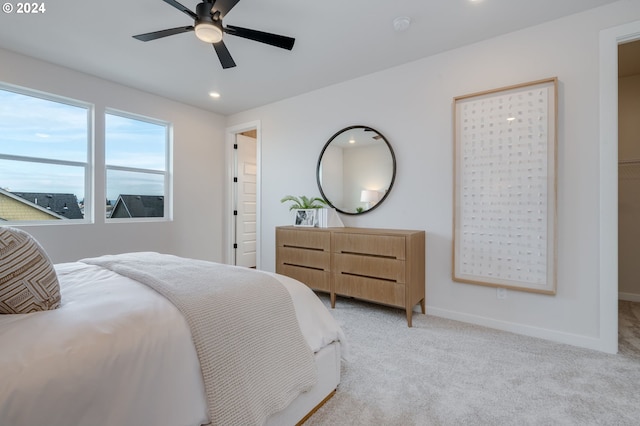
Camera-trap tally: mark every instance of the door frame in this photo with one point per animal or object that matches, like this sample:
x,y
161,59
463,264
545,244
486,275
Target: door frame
x,y
230,139
609,41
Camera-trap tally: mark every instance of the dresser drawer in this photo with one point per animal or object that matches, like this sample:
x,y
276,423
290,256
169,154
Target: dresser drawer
x,y
386,292
303,239
376,245
313,278
370,267
304,257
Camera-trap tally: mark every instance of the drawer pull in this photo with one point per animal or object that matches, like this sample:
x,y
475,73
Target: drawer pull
x,y
369,277
302,266
303,248
381,256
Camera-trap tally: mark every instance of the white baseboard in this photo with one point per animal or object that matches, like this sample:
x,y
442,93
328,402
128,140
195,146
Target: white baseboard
x,y
629,297
582,341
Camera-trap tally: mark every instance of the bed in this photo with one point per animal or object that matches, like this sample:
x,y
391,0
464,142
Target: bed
x,y
117,352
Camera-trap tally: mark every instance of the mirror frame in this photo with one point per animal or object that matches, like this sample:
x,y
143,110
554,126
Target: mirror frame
x,y
393,175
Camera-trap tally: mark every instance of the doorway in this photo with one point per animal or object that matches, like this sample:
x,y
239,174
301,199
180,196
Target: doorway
x,y
610,39
628,200
629,171
243,224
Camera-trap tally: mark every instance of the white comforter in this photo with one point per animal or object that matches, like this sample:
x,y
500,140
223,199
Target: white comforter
x,y
115,353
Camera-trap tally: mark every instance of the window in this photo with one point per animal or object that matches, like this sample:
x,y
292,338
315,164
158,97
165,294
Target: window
x,y
44,157
137,166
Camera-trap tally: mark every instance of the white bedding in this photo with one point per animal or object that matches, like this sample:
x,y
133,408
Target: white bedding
x,y
115,353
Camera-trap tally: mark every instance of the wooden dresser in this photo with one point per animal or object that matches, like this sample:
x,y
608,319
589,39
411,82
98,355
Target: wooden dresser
x,y
385,266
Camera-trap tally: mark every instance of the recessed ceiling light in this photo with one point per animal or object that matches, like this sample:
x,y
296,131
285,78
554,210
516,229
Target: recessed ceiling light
x,y
214,95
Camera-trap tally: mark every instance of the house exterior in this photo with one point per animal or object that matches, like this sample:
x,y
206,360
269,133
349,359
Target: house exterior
x,y
64,205
128,206
16,208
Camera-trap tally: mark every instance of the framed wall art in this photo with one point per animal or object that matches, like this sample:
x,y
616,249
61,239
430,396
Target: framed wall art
x,y
505,147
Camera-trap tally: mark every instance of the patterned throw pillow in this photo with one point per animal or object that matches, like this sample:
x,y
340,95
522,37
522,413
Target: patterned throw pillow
x,y
28,282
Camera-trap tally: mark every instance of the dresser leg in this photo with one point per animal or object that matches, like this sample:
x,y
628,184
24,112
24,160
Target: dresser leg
x,y
409,315
423,307
333,300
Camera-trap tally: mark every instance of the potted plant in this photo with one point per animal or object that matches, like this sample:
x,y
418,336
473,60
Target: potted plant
x,y
306,209
303,202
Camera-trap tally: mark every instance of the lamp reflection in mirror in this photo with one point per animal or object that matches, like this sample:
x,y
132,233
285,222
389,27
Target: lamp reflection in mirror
x,y
369,197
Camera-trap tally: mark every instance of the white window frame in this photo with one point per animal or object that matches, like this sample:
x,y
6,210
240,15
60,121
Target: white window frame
x,y
87,165
168,172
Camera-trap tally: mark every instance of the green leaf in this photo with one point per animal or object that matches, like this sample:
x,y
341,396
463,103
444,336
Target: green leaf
x,y
304,202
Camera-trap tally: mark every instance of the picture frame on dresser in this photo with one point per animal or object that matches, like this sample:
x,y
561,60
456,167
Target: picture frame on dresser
x,y
505,185
305,218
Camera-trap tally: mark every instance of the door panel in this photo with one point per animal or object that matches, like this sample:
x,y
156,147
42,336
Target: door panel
x,y
246,202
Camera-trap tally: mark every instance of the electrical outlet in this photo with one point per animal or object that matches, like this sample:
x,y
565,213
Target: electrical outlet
x,y
501,293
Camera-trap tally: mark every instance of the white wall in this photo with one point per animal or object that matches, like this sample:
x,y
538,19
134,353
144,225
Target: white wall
x,y
198,169
416,117
332,175
366,168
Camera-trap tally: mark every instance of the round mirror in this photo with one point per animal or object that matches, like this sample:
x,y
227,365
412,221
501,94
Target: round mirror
x,y
356,170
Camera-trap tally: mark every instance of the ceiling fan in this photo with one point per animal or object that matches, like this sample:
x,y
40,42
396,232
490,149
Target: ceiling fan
x,y
208,28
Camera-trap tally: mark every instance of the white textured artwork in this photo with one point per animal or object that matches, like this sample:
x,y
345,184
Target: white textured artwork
x,y
505,187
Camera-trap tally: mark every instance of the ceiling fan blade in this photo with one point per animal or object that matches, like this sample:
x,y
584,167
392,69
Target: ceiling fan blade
x,y
224,6
181,8
223,54
163,33
283,42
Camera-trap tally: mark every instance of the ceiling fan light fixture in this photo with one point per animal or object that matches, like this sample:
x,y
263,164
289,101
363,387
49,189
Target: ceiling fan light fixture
x,y
207,26
208,32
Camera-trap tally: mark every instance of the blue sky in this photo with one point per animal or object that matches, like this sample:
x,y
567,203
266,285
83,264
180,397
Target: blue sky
x,y
35,127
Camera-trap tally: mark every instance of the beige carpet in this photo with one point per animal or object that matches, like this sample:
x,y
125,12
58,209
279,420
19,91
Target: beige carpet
x,y
629,328
443,372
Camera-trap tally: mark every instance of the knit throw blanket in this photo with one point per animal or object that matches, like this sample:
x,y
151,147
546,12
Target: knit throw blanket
x,y
253,356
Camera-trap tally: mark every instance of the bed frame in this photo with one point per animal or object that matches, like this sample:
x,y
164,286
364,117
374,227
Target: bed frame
x,y
328,363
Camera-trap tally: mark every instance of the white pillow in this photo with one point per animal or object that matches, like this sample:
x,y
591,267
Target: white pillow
x,y
28,282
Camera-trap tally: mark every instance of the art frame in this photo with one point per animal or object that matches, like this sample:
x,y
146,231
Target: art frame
x,y
505,187
305,217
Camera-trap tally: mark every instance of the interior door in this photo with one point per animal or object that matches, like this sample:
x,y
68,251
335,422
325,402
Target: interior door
x,y
246,173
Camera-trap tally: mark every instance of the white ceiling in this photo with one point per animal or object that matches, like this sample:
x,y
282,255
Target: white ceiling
x,y
336,40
